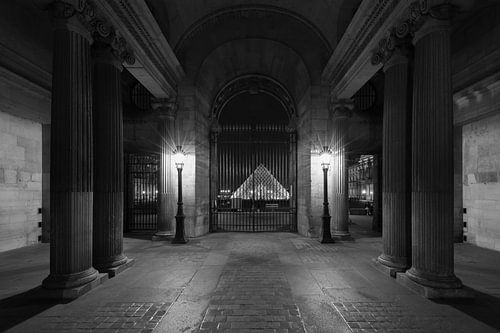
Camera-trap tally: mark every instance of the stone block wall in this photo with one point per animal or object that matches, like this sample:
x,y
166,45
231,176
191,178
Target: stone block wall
x,y
481,182
319,137
20,181
304,167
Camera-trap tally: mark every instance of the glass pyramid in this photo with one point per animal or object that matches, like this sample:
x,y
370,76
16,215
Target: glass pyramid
x,y
261,185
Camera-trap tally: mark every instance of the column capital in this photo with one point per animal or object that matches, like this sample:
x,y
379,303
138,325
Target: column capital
x,y
341,108
112,49
397,45
81,16
165,108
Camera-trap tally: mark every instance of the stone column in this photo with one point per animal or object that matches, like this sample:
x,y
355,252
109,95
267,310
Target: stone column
x,y
377,193
396,195
71,182
166,190
341,111
108,158
432,159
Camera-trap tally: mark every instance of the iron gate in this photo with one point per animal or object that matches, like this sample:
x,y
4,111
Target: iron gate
x,y
253,178
141,189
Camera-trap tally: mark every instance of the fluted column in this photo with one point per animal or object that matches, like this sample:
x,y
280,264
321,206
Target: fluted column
x,y
432,159
108,158
71,182
396,191
340,200
166,189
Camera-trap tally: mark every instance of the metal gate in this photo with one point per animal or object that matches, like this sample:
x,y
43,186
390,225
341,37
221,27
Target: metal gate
x,y
142,193
253,178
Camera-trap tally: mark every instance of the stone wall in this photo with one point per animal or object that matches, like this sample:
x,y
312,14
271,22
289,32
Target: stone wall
x,y
304,167
20,181
481,186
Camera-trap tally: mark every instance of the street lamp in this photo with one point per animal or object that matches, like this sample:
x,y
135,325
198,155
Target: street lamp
x,y
179,157
325,164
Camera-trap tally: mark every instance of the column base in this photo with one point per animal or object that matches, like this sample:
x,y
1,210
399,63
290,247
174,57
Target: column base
x,y
326,240
461,292
71,292
163,236
389,265
103,264
180,241
114,271
342,236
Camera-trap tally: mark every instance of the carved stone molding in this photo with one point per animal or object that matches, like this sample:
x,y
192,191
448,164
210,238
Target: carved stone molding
x,y
350,47
156,66
253,83
401,35
116,45
341,108
99,28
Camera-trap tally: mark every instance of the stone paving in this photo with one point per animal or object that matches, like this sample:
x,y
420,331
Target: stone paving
x,y
252,298
132,317
240,282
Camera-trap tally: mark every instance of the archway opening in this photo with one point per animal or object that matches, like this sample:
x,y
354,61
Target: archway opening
x,y
253,107
253,160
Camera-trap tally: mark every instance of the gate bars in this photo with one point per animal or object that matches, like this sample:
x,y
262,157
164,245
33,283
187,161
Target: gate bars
x,y
141,192
253,178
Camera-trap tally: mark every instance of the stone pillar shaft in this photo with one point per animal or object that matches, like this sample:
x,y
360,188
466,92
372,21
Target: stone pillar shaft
x,y
432,159
340,200
71,182
108,160
166,188
396,217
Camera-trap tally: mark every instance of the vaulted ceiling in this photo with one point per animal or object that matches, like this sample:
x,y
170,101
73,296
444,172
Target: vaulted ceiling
x,y
218,40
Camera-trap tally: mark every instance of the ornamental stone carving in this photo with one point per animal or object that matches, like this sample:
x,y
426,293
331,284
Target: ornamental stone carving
x,y
341,108
97,28
401,36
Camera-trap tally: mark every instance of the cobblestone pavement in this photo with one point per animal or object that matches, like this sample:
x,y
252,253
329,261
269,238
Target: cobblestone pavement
x,y
112,317
236,282
251,298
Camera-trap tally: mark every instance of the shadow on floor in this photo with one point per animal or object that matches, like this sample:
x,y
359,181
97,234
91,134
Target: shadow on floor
x,y
483,307
18,308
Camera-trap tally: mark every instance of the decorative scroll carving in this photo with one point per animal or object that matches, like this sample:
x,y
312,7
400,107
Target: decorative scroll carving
x,y
85,11
254,83
399,37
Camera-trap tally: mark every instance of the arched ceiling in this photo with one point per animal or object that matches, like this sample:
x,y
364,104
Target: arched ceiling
x,y
183,13
250,56
257,22
218,40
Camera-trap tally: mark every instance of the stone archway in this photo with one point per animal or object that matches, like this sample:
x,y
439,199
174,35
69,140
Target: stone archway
x,y
253,165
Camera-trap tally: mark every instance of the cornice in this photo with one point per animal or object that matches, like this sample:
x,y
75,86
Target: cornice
x,y
156,67
365,24
23,98
21,66
477,101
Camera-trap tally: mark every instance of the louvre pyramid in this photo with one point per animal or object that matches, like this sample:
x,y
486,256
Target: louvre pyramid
x,y
265,185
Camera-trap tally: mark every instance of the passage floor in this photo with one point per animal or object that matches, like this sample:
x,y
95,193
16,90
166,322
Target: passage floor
x,y
244,282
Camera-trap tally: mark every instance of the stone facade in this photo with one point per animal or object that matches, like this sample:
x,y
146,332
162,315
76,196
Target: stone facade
x,y
481,185
20,182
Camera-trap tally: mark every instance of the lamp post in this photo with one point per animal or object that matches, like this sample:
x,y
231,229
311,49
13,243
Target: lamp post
x,y
179,217
325,164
